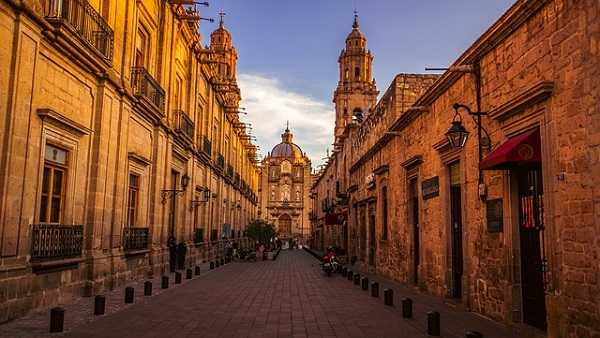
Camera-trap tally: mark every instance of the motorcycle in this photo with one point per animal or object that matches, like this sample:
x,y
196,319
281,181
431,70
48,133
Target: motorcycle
x,y
329,264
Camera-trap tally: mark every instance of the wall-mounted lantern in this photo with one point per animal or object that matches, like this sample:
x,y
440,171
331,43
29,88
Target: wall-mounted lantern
x,y
166,193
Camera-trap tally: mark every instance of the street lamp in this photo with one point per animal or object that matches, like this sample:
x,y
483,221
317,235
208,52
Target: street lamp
x,y
457,134
166,193
205,197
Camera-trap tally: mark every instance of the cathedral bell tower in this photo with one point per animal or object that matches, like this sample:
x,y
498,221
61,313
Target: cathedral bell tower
x,y
356,91
223,51
225,57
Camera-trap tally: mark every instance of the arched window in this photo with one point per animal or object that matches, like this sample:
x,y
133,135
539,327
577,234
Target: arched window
x,y
346,74
357,73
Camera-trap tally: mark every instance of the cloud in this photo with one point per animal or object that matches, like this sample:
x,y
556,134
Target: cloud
x,y
270,105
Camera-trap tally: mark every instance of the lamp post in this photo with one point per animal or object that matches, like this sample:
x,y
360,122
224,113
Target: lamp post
x,y
166,193
457,134
457,137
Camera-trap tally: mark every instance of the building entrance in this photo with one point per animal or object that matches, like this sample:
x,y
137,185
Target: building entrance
x,y
531,230
456,230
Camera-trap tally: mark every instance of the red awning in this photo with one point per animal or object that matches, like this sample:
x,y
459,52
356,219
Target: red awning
x,y
523,149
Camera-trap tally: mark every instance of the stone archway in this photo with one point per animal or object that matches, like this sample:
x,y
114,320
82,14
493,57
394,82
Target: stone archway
x,y
285,226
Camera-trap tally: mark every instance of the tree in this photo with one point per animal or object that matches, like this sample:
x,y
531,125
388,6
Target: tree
x,y
261,231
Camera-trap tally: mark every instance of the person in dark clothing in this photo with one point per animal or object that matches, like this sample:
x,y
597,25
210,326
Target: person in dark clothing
x,y
181,251
172,253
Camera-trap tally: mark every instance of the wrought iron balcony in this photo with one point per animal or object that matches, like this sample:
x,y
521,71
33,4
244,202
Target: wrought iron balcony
x,y
135,238
220,162
206,146
56,241
236,181
185,125
147,88
83,21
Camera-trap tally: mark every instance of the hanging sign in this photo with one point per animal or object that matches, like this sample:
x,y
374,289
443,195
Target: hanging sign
x,y
494,215
430,187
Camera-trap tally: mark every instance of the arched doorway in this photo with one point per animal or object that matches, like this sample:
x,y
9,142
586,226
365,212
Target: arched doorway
x,y
285,226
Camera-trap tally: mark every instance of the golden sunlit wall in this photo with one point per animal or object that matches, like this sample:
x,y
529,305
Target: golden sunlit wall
x,y
121,133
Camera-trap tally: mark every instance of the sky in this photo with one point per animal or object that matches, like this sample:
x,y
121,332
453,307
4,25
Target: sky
x,y
288,52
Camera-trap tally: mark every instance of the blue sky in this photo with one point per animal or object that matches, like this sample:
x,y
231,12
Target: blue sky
x,y
288,50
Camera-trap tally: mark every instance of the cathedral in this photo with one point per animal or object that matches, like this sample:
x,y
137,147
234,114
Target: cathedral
x,y
284,185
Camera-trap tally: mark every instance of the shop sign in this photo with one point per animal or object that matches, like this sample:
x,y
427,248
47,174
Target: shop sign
x,y
430,187
494,215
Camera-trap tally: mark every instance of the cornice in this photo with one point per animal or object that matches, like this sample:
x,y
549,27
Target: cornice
x,y
527,98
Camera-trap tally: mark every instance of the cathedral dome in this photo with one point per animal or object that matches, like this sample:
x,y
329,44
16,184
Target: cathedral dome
x,y
287,149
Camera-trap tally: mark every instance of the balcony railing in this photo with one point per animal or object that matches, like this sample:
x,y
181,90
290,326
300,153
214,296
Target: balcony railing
x,y
236,180
207,146
84,21
146,87
185,125
56,241
221,161
135,238
229,171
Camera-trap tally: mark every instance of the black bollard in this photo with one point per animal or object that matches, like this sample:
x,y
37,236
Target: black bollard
x,y
212,265
147,288
217,264
388,297
473,334
129,292
357,279
197,272
222,262
374,289
407,307
433,323
99,305
165,282
177,277
364,283
188,274
57,319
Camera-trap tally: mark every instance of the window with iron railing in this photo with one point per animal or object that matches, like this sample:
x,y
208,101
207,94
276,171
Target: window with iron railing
x,y
185,125
147,88
84,21
56,241
220,161
229,171
135,238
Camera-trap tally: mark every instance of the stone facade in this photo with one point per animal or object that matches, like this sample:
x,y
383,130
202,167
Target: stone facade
x,y
285,181
512,233
119,131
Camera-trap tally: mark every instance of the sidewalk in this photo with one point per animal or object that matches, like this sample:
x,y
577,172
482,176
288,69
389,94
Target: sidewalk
x,y
79,311
455,320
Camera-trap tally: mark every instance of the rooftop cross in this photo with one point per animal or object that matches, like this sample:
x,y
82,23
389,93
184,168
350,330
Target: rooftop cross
x,y
355,24
222,15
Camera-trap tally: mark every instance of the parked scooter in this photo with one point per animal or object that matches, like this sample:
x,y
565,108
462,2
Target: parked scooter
x,y
329,264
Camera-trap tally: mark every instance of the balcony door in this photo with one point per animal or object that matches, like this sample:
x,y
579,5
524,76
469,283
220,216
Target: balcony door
x,y
456,231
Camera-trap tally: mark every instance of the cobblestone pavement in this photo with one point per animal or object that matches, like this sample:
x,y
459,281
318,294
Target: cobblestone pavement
x,y
289,297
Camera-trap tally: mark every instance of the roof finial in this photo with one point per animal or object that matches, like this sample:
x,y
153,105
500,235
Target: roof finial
x,y
287,126
355,24
221,22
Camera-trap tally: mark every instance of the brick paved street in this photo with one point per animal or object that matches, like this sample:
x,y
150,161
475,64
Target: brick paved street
x,y
286,298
